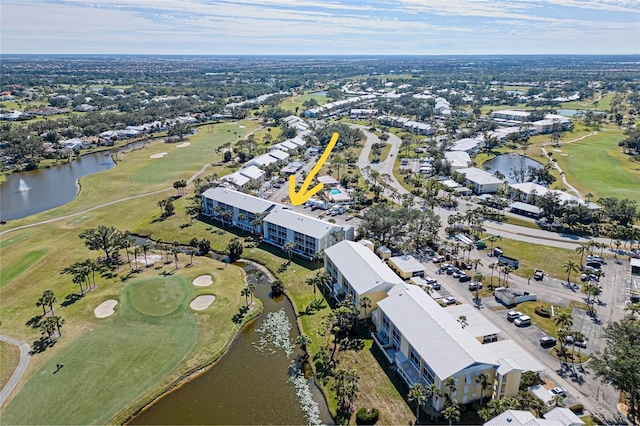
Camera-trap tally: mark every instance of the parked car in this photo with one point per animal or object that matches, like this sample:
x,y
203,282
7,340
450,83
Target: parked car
x,y
592,269
538,275
451,270
450,300
634,299
582,344
349,217
438,259
473,286
512,315
522,321
277,185
594,258
559,390
445,266
547,342
464,278
457,274
433,283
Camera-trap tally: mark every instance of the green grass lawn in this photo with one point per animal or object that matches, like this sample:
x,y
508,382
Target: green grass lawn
x,y
9,358
383,156
13,240
292,102
14,269
597,165
107,368
536,256
156,296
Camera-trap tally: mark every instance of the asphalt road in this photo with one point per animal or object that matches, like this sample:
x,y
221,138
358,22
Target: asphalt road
x,y
22,365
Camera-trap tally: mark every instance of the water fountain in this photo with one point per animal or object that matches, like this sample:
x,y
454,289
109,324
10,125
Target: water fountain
x,y
23,186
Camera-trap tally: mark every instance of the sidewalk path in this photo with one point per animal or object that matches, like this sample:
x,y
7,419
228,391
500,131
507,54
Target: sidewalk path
x,y
22,365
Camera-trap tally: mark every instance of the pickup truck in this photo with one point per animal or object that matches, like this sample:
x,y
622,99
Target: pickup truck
x,y
538,275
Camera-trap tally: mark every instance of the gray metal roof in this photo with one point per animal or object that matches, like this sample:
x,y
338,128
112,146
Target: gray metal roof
x,y
439,339
407,263
238,199
303,224
361,267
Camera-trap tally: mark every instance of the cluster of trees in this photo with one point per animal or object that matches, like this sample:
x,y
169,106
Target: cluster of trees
x,y
49,323
400,227
632,141
348,136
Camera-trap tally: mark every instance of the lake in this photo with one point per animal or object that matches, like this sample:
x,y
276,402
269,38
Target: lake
x,y
245,386
47,188
505,163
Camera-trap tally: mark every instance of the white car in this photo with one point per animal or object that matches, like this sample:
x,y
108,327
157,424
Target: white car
x,y
559,390
450,300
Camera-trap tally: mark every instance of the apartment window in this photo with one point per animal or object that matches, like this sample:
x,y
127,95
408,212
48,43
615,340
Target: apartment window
x,y
467,378
466,389
427,374
415,358
396,339
385,322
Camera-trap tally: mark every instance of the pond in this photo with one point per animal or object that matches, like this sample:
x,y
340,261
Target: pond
x,y
35,191
319,93
27,193
246,386
507,163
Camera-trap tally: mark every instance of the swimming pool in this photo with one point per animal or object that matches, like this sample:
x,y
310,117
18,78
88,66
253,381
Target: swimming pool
x,y
335,191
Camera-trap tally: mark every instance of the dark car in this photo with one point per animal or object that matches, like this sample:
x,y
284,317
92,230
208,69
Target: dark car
x,y
451,270
547,342
464,278
635,299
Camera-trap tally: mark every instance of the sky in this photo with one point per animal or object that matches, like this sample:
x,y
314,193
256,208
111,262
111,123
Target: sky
x,y
320,27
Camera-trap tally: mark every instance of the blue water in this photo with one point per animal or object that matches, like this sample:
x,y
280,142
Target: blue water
x,y
320,93
335,191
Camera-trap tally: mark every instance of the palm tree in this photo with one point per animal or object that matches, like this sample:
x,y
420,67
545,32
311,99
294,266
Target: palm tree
x,y
506,270
476,263
303,340
136,252
462,319
582,249
485,383
433,391
251,287
288,247
175,250
40,302
578,336
492,266
312,281
634,308
569,267
49,299
145,248
451,413
245,292
126,245
365,303
450,383
557,401
564,320
417,395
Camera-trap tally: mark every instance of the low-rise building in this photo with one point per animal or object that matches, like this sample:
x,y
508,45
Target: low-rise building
x,y
474,322
356,270
407,266
236,208
557,417
480,181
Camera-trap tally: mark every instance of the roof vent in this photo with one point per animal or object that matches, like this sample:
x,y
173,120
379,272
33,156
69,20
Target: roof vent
x,y
509,419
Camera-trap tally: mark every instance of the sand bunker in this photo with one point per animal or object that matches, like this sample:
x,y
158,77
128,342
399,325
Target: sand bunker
x,y
201,303
242,127
203,281
564,155
183,144
158,155
556,150
105,309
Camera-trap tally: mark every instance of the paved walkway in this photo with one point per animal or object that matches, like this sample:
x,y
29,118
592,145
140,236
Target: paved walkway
x,y
22,365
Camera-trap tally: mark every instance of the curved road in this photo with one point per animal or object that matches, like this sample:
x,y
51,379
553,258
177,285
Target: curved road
x,y
22,365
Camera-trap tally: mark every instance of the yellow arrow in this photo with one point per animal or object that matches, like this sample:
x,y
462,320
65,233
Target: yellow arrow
x,y
298,198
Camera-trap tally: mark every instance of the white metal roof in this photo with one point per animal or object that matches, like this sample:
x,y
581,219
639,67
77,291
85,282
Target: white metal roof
x,y
477,324
426,325
237,178
262,160
564,416
407,263
303,224
238,199
361,267
280,155
252,172
478,176
508,349
518,205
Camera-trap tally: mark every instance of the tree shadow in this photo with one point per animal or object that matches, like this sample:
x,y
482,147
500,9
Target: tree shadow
x,y
34,322
41,345
71,299
237,318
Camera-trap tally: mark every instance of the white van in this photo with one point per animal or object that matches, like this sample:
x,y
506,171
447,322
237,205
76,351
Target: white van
x,y
522,321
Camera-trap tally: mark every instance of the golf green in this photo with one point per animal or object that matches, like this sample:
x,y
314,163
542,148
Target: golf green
x,y
156,297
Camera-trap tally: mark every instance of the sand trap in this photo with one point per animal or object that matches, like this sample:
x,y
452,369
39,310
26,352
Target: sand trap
x,y
158,155
203,281
242,127
201,303
564,155
556,150
105,309
183,144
